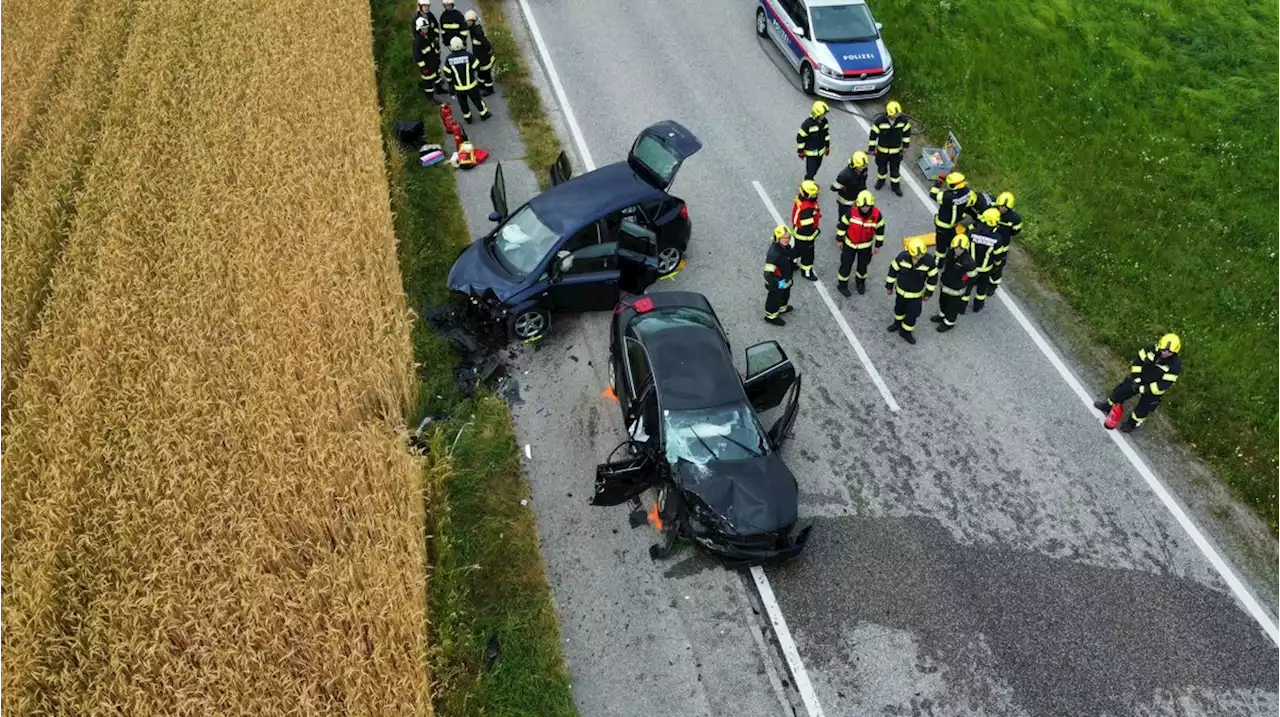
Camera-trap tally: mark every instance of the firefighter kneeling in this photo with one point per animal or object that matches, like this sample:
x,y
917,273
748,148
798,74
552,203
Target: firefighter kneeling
x,y
913,276
861,234
957,269
779,265
1153,372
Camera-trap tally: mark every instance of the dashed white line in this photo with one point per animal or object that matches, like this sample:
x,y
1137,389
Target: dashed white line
x,y
835,312
1238,588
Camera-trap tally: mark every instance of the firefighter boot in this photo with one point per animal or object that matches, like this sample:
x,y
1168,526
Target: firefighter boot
x,y
1129,425
861,285
945,327
896,187
907,336
936,318
894,326
775,320
879,182
1103,405
843,287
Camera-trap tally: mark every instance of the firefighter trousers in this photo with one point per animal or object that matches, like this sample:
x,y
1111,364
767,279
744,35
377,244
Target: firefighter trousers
x,y
980,288
949,306
776,302
466,98
812,162
848,257
1126,390
888,165
430,74
906,311
485,73
804,254
997,275
942,237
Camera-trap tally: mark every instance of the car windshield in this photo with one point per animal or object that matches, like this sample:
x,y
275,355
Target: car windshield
x,y
843,23
726,433
671,317
523,242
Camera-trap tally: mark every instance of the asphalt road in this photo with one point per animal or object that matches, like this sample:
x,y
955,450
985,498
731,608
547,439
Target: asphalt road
x,y
986,549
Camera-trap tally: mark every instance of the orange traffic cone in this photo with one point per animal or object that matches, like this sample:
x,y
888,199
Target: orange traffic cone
x,y
609,394
654,518
1113,417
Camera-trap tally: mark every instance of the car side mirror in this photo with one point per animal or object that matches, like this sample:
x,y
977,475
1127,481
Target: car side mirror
x,y
879,26
495,217
800,31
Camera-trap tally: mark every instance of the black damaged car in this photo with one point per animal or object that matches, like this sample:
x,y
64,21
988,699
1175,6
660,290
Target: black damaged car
x,y
580,244
695,435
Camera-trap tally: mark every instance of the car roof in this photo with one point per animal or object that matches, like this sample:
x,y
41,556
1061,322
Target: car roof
x,y
585,198
691,364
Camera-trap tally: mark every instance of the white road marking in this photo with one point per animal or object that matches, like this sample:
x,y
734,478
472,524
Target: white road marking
x,y
788,645
528,452
1241,591
745,602
798,673
835,312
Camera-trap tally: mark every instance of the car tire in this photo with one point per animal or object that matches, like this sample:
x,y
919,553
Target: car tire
x,y
806,79
669,258
762,23
530,324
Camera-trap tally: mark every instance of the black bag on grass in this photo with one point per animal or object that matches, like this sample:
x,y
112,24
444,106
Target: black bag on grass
x,y
410,133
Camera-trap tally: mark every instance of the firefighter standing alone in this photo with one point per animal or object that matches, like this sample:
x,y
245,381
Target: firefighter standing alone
x,y
483,51
913,276
861,234
779,266
1152,373
813,141
463,68
805,217
954,275
890,137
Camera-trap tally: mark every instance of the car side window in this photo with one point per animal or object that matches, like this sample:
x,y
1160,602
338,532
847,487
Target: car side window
x,y
638,363
592,259
587,236
794,9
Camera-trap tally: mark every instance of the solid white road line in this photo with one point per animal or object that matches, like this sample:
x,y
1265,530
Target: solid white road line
x,y
798,674
835,312
788,645
1241,591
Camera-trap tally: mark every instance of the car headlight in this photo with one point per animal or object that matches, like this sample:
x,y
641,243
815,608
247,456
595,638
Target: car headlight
x,y
837,74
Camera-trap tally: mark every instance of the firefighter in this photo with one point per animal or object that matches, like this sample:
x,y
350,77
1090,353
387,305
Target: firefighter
x,y
463,66
861,234
890,137
954,200
1010,227
452,24
1151,374
424,13
913,276
813,141
426,53
779,266
986,238
805,217
852,180
483,51
954,275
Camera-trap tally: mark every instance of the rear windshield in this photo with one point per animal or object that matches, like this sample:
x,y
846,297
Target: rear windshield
x,y
659,319
843,23
654,155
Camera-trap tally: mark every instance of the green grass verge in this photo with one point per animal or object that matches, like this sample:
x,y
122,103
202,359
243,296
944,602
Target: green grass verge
x,y
1140,140
486,574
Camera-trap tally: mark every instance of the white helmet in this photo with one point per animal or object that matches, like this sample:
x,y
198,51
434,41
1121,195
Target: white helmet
x,y
448,3
471,16
420,24
457,45
425,2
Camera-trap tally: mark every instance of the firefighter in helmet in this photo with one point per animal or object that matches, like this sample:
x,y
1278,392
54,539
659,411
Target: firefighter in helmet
x,y
953,201
954,274
779,266
813,141
805,218
913,277
1151,374
852,180
889,139
984,240
861,234
1010,227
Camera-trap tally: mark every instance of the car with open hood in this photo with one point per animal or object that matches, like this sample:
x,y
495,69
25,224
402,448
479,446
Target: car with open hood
x,y
835,45
695,435
581,244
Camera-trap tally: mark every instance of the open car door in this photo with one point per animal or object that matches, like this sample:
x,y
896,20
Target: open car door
x,y
659,150
498,195
561,171
618,481
637,257
781,429
770,374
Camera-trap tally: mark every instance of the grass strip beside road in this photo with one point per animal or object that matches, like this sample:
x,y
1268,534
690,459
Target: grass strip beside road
x,y
1140,143
487,576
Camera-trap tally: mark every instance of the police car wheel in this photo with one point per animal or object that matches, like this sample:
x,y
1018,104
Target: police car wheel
x,y
806,79
762,26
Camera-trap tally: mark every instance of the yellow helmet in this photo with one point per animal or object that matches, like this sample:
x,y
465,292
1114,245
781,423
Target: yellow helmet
x,y
990,217
865,199
893,109
809,188
780,231
916,247
1005,200
859,159
819,108
956,180
1170,342
960,240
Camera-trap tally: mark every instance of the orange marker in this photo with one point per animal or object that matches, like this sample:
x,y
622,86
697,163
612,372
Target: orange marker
x,y
609,394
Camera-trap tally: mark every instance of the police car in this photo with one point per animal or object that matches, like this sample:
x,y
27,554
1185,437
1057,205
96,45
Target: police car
x,y
835,45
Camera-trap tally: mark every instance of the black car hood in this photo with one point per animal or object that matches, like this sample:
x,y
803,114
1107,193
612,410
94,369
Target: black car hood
x,y
476,272
752,496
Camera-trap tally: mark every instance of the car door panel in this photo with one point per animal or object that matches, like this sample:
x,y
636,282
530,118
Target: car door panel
x,y
586,280
561,170
498,194
621,480
770,374
637,257
781,429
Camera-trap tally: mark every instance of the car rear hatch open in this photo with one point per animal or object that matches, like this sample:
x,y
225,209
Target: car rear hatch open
x,y
659,150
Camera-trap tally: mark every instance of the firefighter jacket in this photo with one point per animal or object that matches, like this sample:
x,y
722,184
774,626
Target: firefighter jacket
x,y
480,47
956,272
805,217
985,240
814,137
912,279
1155,375
889,136
426,54
779,266
951,204
1010,227
858,231
848,183
453,24
432,23
463,67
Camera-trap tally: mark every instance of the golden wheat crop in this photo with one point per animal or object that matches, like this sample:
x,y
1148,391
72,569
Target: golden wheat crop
x,y
207,505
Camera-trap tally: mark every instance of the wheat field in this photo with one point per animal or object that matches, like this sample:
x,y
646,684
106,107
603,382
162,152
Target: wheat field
x,y
207,503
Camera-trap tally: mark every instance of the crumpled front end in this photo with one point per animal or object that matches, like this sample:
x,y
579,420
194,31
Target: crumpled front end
x,y
740,551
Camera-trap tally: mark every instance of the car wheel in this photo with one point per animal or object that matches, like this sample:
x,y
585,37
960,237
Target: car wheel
x,y
530,324
806,79
762,25
668,259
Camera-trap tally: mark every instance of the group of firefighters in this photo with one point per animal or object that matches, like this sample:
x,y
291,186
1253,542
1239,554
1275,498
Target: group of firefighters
x,y
468,75
967,265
